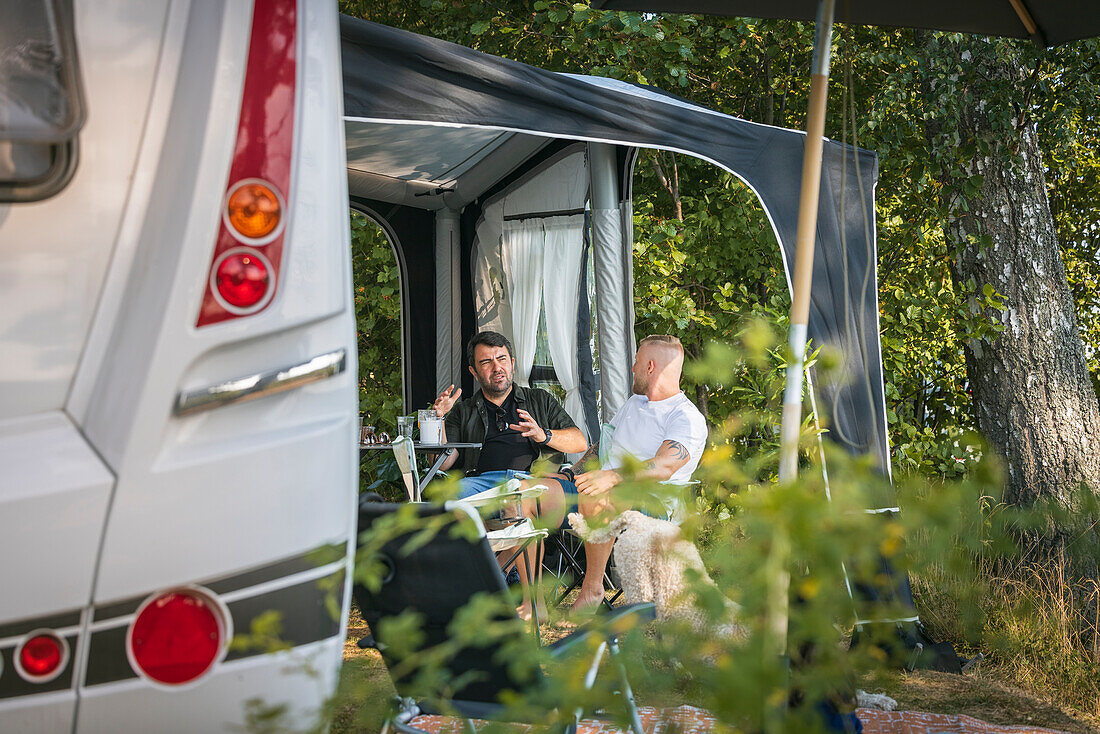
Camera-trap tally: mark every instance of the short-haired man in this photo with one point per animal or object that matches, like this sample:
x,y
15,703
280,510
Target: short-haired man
x,y
515,426
657,426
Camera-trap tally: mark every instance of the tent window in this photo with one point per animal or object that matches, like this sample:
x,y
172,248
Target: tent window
x,y
41,101
529,277
379,321
542,371
588,362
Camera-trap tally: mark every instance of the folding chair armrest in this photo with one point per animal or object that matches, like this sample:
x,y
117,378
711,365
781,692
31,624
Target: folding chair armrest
x,y
613,624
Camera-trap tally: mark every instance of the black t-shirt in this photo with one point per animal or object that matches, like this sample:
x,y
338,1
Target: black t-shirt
x,y
504,448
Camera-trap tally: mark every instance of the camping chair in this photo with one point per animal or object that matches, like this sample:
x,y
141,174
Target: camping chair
x,y
406,461
568,548
509,530
436,579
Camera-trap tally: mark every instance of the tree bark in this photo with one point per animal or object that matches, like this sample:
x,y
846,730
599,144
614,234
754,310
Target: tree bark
x,y
1032,394
669,181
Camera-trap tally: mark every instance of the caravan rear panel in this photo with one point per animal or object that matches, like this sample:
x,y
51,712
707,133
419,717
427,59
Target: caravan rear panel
x,y
160,463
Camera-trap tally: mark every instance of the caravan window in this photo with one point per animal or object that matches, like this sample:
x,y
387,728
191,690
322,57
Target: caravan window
x,y
41,102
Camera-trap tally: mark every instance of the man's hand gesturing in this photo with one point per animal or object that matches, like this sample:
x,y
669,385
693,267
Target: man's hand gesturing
x,y
446,400
527,426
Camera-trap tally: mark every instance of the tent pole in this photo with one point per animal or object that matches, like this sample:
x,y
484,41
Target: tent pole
x,y
779,580
804,243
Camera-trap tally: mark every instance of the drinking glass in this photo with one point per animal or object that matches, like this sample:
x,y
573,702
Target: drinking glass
x,y
405,426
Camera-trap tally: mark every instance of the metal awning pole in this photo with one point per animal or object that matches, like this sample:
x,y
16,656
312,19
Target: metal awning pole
x,y
804,242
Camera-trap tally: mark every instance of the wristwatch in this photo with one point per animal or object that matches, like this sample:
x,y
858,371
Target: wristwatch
x,y
549,435
567,472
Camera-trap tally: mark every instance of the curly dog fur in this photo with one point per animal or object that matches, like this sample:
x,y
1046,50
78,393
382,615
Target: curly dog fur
x,y
652,558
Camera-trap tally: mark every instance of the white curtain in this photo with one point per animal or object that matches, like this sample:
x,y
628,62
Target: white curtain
x,y
522,246
524,264
564,241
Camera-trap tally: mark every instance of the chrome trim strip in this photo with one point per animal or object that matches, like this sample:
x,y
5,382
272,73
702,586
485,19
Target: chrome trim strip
x,y
281,583
61,632
55,621
252,387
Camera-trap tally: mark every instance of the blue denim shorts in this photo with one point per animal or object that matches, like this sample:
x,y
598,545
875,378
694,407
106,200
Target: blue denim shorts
x,y
487,480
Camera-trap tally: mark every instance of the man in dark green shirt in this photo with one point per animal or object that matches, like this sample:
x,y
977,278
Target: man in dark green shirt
x,y
514,424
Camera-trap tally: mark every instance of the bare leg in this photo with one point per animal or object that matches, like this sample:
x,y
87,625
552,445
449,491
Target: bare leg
x,y
596,557
552,506
524,558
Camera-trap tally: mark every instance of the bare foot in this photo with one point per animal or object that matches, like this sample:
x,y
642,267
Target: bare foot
x,y
587,599
524,612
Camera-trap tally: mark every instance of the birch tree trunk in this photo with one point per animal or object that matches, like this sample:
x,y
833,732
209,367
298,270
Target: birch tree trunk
x,y
1033,398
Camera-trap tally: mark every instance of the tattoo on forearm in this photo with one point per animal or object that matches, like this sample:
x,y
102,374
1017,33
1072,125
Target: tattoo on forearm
x,y
677,450
593,450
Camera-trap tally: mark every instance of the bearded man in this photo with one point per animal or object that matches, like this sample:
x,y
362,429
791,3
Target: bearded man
x,y
515,426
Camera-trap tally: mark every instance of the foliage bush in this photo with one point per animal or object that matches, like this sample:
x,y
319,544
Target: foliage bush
x,y
787,554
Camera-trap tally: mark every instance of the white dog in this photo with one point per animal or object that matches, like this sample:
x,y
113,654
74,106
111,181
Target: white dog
x,y
652,556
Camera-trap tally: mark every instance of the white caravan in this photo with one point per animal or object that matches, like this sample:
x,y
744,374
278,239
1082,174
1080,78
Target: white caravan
x,y
177,363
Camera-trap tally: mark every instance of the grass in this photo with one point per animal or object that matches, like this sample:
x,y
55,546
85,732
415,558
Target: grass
x,y
985,694
1038,630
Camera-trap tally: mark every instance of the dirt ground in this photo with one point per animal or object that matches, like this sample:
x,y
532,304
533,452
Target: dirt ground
x,y
365,688
982,694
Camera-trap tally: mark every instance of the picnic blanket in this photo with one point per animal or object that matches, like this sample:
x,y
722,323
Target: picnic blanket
x,y
691,720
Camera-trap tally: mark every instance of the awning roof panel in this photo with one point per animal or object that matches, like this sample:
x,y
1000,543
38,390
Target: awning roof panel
x,y
394,76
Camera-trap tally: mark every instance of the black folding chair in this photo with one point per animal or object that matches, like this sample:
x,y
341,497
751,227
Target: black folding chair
x,y
565,559
436,579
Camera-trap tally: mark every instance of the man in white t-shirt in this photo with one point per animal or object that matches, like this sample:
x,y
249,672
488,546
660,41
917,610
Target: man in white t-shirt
x,y
659,427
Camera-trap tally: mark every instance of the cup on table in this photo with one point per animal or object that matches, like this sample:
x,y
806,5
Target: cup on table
x,y
431,426
405,426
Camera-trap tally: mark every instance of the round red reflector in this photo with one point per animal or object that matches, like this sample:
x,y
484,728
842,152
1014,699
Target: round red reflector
x,y
41,656
253,210
242,279
176,637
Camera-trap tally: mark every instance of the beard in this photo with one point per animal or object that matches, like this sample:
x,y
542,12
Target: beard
x,y
639,386
501,387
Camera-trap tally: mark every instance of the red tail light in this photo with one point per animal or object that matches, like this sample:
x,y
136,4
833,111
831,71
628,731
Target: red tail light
x,y
42,656
255,206
242,279
177,636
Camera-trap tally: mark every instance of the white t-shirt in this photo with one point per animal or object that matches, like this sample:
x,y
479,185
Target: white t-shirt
x,y
642,425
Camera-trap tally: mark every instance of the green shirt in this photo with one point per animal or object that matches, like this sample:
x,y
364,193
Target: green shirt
x,y
468,421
